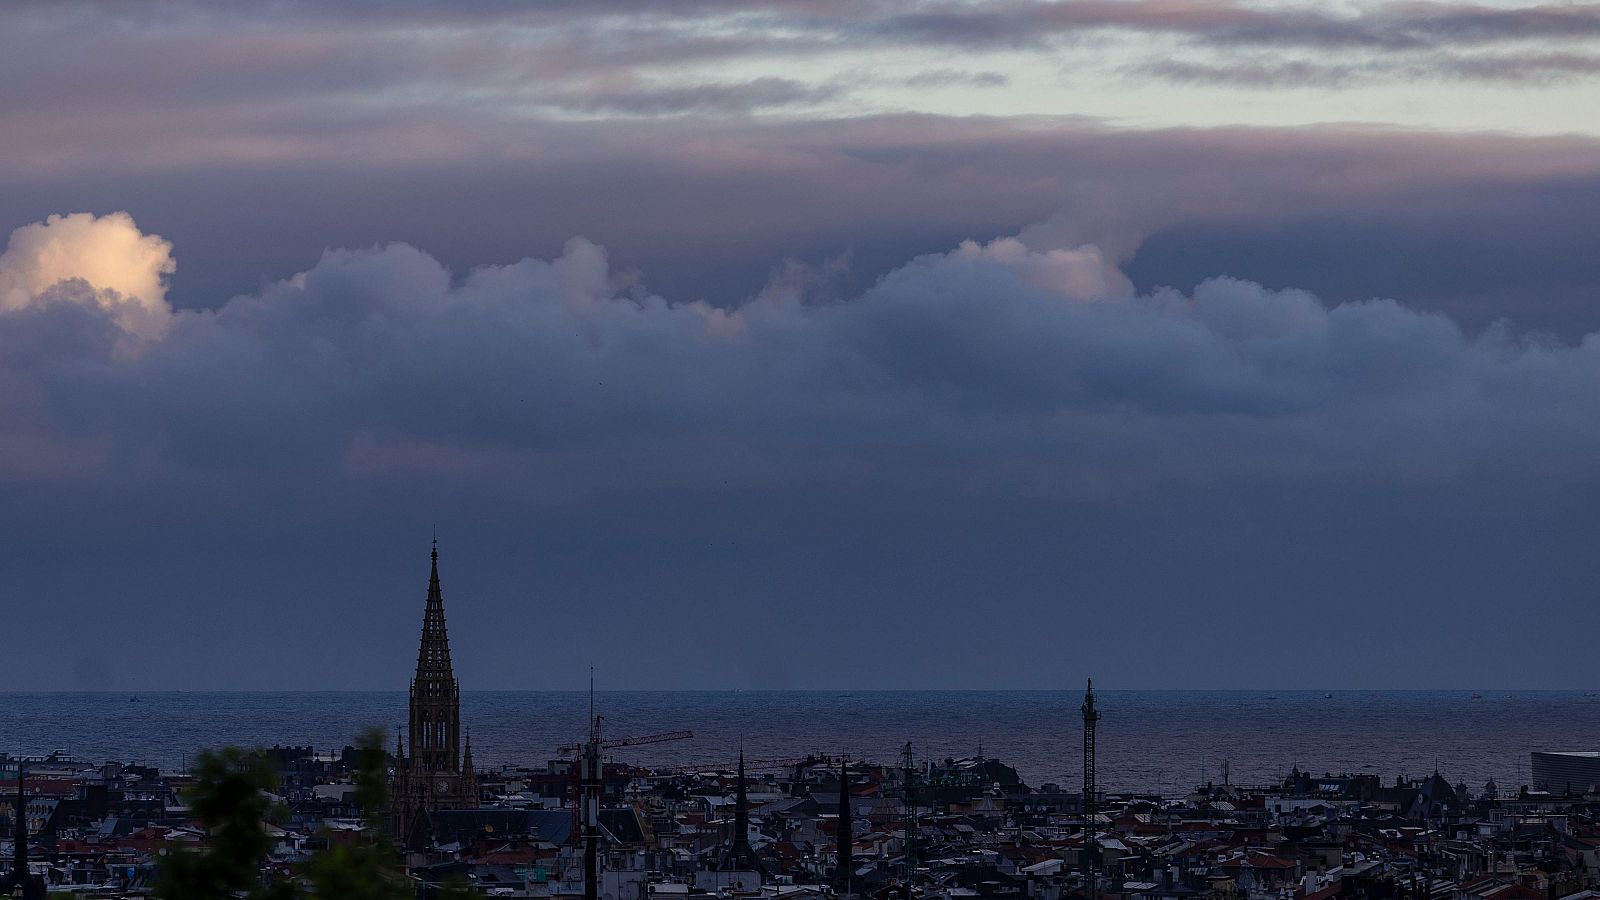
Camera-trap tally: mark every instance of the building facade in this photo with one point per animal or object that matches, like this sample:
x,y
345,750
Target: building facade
x,y
432,771
1574,772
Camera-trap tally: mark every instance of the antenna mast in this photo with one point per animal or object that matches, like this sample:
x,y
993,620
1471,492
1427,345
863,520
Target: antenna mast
x,y
1091,715
908,763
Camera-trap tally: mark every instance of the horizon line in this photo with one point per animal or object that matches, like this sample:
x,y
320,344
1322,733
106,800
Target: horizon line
x,y
815,690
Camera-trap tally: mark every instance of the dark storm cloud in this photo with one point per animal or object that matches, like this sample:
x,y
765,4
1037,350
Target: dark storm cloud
x,y
994,424
1028,370
784,404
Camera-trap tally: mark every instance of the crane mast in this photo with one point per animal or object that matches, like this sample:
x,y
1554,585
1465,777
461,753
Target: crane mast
x,y
589,780
1091,715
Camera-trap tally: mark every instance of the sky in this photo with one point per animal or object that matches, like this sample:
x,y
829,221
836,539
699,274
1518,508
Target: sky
x,y
805,344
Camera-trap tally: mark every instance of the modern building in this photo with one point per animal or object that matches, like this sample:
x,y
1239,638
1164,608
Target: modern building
x,y
1567,772
431,771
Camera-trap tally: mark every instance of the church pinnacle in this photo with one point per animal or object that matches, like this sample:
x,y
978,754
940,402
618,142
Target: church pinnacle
x,y
433,656
435,774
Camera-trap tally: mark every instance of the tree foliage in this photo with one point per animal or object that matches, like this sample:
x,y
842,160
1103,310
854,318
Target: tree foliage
x,y
364,869
231,800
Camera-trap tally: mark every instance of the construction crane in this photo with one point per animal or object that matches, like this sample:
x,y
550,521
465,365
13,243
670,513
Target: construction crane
x,y
785,762
619,743
588,779
752,765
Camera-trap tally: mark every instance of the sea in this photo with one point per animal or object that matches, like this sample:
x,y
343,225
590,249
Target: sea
x,y
1163,742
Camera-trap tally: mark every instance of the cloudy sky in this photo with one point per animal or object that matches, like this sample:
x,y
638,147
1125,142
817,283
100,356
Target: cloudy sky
x,y
801,344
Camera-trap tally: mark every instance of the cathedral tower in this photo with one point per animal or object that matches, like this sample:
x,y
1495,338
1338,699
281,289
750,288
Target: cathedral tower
x,y
430,772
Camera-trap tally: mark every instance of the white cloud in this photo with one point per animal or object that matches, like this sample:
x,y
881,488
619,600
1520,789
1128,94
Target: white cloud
x,y
126,269
1081,273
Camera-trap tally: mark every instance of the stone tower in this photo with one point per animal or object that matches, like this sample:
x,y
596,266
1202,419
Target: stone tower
x,y
430,770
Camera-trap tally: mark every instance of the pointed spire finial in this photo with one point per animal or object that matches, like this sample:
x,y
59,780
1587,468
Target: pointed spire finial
x,y
433,573
433,656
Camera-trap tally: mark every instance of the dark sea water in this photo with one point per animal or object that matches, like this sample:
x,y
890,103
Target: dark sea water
x,y
1164,741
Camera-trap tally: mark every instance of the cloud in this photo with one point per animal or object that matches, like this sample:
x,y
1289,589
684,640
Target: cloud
x,y
1005,420
1540,68
1256,73
665,423
1081,273
108,252
958,78
124,270
631,97
224,82
1479,225
1029,369
1270,72
1392,26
